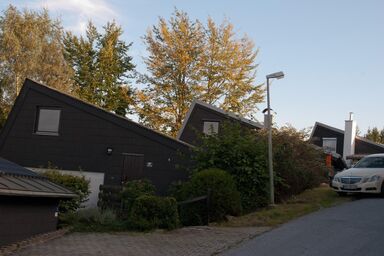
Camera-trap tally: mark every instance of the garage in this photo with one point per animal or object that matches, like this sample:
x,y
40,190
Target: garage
x,y
28,203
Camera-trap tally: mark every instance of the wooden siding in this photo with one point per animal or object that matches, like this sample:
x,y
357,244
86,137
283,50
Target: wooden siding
x,y
361,146
364,148
21,218
195,123
323,132
85,134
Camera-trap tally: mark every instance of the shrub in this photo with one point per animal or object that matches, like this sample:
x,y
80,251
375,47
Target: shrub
x,y
93,220
151,212
76,184
224,197
242,154
132,190
297,164
110,198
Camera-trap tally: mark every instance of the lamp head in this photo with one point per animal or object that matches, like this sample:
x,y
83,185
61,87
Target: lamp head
x,y
277,75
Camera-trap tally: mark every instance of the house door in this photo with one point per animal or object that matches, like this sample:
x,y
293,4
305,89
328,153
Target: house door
x,y
132,167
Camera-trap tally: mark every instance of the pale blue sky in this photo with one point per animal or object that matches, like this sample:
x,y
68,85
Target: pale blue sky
x,y
332,52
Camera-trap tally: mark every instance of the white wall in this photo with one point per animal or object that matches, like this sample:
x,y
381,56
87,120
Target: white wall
x,y
96,179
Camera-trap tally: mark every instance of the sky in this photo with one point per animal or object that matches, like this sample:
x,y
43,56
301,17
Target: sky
x,y
332,52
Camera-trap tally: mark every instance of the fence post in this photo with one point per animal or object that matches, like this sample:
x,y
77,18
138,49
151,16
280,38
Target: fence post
x,y
209,193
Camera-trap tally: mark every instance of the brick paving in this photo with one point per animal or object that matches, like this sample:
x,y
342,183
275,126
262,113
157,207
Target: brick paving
x,y
186,241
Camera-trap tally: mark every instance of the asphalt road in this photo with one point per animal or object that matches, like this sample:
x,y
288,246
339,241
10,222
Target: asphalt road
x,y
355,228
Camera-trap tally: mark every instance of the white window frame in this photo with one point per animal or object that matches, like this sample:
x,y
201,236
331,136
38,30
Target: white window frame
x,y
210,127
40,130
329,148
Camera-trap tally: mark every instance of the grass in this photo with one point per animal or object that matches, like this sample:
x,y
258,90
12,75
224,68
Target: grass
x,y
307,202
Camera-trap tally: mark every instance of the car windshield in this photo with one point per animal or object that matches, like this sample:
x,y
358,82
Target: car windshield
x,y
370,162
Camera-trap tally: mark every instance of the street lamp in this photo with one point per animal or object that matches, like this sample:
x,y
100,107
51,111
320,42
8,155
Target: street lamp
x,y
277,75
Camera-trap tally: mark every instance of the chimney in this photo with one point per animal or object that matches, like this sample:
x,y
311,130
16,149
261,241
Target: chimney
x,y
349,137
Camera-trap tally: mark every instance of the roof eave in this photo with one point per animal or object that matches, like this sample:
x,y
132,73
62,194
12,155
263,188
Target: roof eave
x,y
216,109
8,192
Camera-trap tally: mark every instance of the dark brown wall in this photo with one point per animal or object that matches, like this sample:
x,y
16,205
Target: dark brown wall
x,y
362,147
21,218
196,122
84,139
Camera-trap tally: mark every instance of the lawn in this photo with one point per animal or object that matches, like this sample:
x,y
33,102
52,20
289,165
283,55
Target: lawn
x,y
307,202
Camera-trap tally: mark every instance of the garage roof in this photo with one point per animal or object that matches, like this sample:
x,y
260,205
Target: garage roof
x,y
19,181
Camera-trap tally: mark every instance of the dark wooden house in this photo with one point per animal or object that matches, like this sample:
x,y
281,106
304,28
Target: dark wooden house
x,y
28,203
207,119
47,126
343,142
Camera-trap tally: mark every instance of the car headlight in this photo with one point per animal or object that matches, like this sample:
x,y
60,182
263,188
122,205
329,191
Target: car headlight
x,y
374,178
336,179
370,178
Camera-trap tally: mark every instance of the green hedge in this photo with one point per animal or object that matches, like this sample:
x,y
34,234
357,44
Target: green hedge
x,y
94,220
224,198
77,184
134,189
151,212
110,198
297,164
243,155
120,198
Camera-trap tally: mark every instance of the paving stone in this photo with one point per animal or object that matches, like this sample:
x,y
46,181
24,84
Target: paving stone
x,y
199,241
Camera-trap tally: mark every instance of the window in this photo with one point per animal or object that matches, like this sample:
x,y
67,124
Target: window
x,y
329,144
210,127
48,120
370,162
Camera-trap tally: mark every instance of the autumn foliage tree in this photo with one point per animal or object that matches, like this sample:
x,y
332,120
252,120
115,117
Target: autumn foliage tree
x,y
102,67
30,46
189,60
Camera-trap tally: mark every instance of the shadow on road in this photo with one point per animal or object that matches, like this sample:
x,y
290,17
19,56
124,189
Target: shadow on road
x,y
364,196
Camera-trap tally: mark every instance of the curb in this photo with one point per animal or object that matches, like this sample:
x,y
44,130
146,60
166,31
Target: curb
x,y
37,239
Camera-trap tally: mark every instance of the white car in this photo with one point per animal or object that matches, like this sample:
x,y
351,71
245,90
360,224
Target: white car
x,y
366,176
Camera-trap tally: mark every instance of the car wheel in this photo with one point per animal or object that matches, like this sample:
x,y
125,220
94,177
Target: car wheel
x,y
343,193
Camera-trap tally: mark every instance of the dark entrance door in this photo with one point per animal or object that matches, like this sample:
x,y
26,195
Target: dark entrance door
x,y
132,167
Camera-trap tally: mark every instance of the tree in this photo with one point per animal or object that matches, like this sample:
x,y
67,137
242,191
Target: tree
x,y
30,46
188,61
102,67
375,135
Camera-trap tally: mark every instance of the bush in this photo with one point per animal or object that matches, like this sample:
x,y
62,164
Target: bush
x,y
151,212
242,154
224,197
76,184
297,164
110,198
131,191
93,220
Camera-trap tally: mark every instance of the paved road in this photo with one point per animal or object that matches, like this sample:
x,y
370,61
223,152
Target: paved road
x,y
355,228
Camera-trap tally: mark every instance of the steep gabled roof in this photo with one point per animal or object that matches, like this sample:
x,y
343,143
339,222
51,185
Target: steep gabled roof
x,y
342,132
89,108
231,115
19,181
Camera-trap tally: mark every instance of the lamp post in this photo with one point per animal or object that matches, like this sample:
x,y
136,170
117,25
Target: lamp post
x,y
277,75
